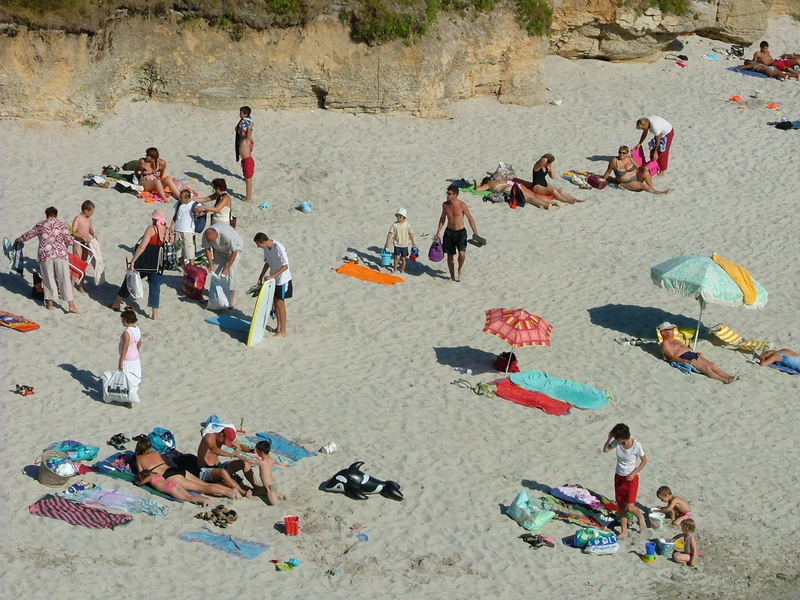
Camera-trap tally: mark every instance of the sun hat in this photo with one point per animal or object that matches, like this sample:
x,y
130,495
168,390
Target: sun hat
x,y
666,325
401,211
230,435
158,216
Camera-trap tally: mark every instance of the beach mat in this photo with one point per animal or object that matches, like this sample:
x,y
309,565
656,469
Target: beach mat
x,y
577,394
366,274
235,546
518,395
282,450
17,322
60,509
229,322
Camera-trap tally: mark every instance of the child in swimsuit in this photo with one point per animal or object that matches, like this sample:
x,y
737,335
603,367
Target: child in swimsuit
x,y
677,509
688,553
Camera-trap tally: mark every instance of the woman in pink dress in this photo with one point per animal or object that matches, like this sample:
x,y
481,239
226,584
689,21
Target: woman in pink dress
x,y
130,342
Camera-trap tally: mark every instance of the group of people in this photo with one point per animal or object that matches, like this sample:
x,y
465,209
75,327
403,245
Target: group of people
x,y
208,472
778,68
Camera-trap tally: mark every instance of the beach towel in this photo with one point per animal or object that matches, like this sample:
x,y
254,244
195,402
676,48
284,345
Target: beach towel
x,y
576,495
741,277
283,450
582,516
749,72
17,322
60,509
235,546
367,274
471,189
518,395
17,258
685,368
110,498
785,368
97,262
576,394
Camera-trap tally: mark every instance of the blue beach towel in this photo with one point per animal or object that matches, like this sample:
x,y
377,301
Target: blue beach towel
x,y
576,394
685,368
747,72
235,546
283,450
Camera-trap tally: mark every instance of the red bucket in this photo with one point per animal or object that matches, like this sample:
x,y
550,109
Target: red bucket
x,y
291,525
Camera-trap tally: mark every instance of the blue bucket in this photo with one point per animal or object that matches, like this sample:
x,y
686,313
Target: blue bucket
x,y
386,258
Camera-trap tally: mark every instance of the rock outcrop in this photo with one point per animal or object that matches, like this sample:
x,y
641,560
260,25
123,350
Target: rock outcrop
x,y
603,29
53,74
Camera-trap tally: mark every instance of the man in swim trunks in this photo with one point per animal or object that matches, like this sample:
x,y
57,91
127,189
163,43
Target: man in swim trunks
x,y
246,144
675,351
455,235
213,471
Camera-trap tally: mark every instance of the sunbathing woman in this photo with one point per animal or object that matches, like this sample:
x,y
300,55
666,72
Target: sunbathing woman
x,y
541,169
786,357
504,185
152,470
151,172
627,175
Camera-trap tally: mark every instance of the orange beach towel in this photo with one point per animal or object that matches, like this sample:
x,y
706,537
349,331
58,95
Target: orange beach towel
x,y
367,274
741,277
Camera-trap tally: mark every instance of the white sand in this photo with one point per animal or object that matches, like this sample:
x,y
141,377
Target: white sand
x,y
370,366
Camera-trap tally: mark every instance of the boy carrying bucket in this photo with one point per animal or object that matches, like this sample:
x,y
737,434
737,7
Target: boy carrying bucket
x,y
402,237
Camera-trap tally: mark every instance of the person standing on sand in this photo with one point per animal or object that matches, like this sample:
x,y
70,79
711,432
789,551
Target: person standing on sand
x,y
130,344
52,257
455,234
663,134
223,245
244,137
626,474
83,231
277,262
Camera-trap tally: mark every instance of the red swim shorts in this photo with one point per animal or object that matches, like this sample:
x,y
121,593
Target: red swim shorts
x,y
625,491
248,167
782,64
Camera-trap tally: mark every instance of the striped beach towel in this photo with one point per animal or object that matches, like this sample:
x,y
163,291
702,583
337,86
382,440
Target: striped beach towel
x,y
60,509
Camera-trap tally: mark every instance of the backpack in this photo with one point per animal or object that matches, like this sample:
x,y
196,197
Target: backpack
x,y
502,361
517,196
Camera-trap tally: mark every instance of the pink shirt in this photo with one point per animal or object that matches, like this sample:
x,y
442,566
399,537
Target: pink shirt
x,y
133,350
53,239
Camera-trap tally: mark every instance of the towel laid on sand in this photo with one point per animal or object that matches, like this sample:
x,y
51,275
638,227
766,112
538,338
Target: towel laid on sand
x,y
518,395
282,449
367,274
235,546
576,394
685,368
110,498
60,509
118,466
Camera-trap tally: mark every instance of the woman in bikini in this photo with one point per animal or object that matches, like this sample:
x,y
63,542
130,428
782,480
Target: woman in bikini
x,y
151,172
221,211
541,169
627,175
152,470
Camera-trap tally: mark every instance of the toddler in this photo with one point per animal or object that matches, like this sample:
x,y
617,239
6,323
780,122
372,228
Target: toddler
x,y
689,553
677,509
402,237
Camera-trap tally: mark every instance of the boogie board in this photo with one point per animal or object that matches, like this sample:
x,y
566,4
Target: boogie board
x,y
258,323
17,322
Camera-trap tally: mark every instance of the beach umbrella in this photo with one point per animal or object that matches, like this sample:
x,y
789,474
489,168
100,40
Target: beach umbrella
x,y
703,278
517,327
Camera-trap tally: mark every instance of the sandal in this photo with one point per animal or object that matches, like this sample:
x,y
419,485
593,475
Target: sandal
x,y
463,383
205,516
483,389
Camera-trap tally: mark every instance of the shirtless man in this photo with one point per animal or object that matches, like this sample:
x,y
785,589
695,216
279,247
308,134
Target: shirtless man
x,y
455,235
213,471
83,231
763,63
675,351
246,152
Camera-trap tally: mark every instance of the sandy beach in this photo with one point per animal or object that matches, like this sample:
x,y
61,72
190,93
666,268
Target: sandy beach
x,y
370,367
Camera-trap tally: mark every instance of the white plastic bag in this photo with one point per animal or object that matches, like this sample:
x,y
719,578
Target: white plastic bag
x,y
218,293
121,386
134,282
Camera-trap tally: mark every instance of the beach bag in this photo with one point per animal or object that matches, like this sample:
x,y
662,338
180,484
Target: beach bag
x,y
497,197
595,541
134,282
527,515
596,182
170,257
501,362
120,386
436,252
161,440
194,281
75,451
218,293
517,197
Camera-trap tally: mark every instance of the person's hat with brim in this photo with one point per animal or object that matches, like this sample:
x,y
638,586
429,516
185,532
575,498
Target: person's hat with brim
x,y
158,216
401,212
666,325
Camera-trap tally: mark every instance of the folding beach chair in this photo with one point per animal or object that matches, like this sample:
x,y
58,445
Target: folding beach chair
x,y
77,265
733,341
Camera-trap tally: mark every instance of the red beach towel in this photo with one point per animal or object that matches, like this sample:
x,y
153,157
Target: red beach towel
x,y
518,395
54,507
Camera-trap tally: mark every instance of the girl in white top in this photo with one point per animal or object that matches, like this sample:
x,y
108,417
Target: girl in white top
x,y
130,342
626,474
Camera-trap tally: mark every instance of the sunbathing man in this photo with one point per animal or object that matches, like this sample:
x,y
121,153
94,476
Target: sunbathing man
x,y
505,185
764,63
212,470
675,351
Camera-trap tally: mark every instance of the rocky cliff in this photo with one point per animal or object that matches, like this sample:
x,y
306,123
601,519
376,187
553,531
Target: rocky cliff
x,y
52,74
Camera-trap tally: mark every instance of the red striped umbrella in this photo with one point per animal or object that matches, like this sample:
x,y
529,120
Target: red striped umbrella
x,y
517,327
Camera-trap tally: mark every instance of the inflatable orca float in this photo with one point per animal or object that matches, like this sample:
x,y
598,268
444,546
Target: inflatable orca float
x,y
356,484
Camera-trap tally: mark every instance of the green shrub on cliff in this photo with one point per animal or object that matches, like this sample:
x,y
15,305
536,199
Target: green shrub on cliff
x,y
671,7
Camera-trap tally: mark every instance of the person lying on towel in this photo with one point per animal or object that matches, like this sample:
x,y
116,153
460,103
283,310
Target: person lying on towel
x,y
675,351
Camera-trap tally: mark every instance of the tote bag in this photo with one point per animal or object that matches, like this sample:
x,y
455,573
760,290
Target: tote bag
x,y
134,282
120,386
